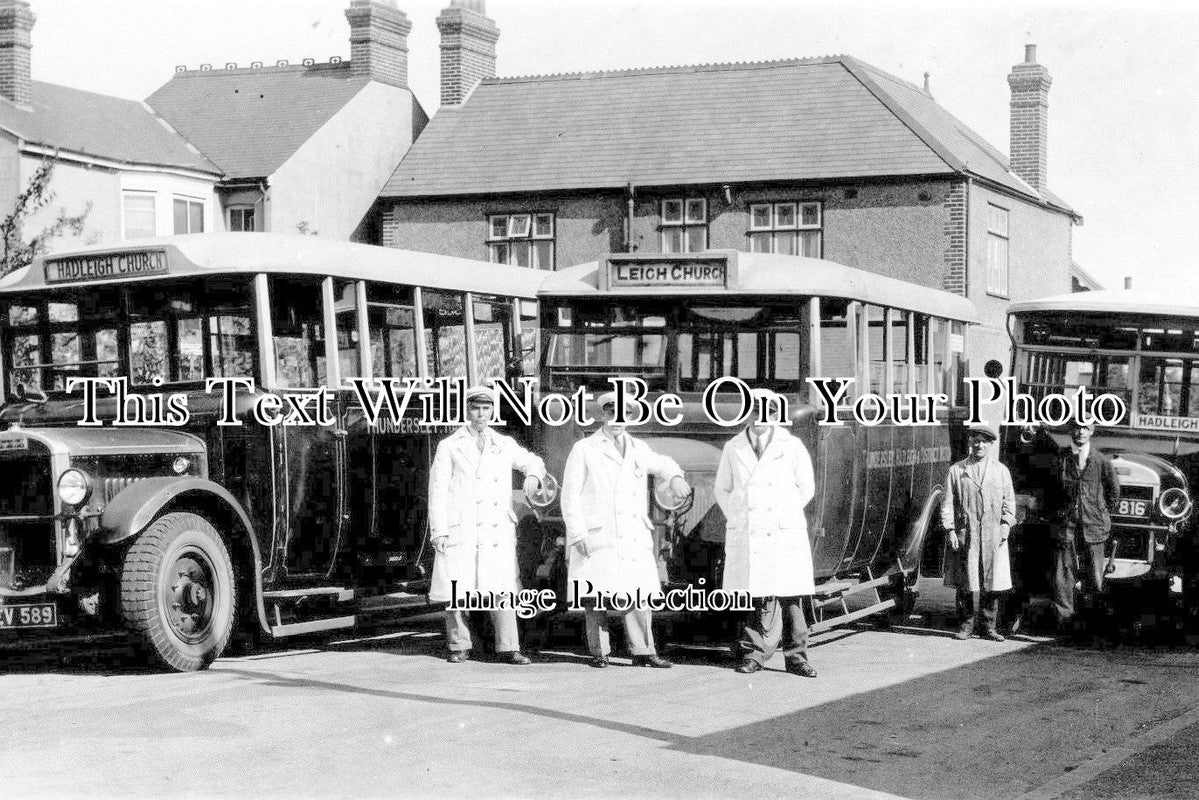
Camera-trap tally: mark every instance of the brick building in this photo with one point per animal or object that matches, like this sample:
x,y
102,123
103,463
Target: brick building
x,y
819,156
279,147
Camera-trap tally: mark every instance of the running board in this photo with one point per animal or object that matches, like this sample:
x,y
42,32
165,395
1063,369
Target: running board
x,y
843,619
282,630
294,597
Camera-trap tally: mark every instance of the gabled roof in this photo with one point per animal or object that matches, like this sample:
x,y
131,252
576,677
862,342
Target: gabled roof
x,y
100,126
250,121
802,119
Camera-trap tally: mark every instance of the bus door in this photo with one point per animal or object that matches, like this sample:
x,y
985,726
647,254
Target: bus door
x,y
312,477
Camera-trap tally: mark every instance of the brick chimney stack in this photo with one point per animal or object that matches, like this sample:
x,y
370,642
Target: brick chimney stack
x,y
379,41
468,38
16,22
1030,118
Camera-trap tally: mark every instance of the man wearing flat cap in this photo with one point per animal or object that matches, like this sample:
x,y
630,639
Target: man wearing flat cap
x,y
474,527
609,536
977,513
763,483
1087,490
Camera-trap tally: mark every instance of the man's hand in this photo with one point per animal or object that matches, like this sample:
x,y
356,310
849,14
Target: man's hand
x,y
1003,534
679,486
582,547
439,544
954,542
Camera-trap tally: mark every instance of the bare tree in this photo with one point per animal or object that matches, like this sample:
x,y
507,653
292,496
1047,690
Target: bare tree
x,y
15,250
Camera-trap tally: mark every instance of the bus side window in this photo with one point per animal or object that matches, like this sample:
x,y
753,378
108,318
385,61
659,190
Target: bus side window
x,y
392,320
921,328
445,333
836,339
299,336
345,311
876,348
900,357
529,336
493,335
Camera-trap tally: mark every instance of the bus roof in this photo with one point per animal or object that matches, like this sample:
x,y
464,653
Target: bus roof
x,y
1131,302
769,274
211,254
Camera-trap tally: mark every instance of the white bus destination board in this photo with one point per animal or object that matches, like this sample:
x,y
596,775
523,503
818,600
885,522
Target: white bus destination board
x,y
668,273
106,265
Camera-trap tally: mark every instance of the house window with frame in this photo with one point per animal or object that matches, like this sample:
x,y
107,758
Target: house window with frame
x,y
139,217
189,215
792,229
241,218
521,240
997,250
684,225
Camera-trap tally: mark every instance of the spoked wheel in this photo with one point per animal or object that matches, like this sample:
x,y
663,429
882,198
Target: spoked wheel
x,y
177,592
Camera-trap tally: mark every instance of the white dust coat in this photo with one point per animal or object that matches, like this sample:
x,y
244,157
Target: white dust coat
x,y
605,502
470,503
767,552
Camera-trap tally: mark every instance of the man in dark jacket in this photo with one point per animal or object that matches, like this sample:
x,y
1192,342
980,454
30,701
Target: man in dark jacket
x,y
1087,492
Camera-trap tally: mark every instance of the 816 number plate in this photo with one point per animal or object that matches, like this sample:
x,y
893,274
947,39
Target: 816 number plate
x,y
1133,508
36,615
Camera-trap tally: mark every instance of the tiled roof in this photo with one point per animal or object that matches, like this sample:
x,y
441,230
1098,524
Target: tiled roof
x,y
99,125
802,119
250,121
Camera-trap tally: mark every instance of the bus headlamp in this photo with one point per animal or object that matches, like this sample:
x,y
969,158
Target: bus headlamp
x,y
1174,503
74,486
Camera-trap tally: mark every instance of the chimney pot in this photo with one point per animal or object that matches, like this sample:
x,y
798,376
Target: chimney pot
x,y
16,23
1029,142
468,38
379,41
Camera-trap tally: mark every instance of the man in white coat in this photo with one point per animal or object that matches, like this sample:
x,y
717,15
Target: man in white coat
x,y
762,485
474,528
609,537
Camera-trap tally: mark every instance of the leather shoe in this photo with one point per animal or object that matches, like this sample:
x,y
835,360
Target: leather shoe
x,y
599,662
802,669
458,656
655,661
748,666
994,635
518,658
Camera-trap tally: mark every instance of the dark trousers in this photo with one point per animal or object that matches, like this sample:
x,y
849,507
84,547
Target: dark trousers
x,y
775,621
988,609
1075,559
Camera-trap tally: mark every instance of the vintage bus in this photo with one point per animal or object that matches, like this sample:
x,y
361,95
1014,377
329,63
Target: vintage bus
x,y
176,532
679,321
1143,347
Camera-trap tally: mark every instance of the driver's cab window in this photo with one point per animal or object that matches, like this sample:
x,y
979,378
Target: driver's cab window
x,y
297,326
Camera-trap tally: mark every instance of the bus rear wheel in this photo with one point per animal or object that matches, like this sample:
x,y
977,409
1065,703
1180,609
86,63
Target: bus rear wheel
x,y
177,592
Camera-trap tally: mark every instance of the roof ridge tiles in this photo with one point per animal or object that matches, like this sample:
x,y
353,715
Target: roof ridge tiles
x,y
673,69
273,68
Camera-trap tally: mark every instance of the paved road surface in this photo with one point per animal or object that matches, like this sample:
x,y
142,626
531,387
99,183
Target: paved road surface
x,y
906,712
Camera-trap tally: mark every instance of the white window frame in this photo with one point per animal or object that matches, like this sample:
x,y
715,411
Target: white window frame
x,y
189,200
685,221
522,226
125,195
999,276
774,226
243,209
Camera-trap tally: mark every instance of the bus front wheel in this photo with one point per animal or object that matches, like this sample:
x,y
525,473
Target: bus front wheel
x,y
177,592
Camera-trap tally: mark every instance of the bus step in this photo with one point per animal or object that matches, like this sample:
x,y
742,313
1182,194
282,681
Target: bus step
x,y
395,601
836,622
833,588
284,629
334,593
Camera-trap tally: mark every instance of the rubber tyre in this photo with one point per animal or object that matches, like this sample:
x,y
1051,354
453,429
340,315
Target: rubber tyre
x,y
147,580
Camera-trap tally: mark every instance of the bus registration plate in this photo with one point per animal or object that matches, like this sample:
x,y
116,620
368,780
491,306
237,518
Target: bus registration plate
x,y
35,615
1133,508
